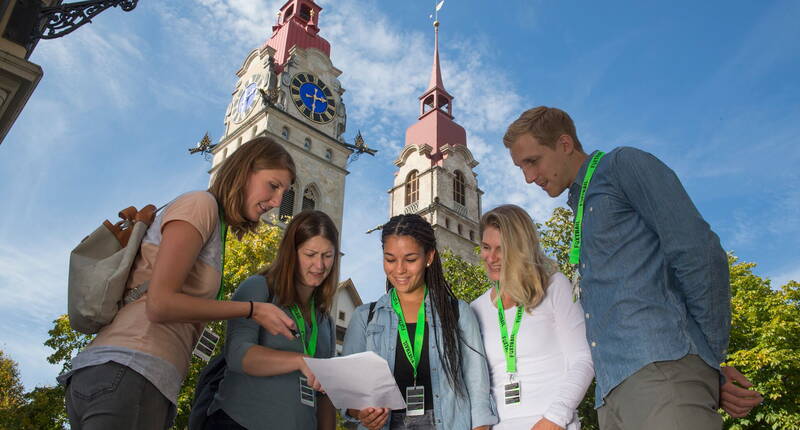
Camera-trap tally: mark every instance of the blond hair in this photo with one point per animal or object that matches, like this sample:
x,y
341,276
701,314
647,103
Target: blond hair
x,y
544,123
229,184
526,270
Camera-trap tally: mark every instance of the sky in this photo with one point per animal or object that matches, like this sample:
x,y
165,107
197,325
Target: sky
x,y
711,88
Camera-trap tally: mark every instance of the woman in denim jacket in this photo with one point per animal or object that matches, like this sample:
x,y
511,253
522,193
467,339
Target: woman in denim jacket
x,y
451,376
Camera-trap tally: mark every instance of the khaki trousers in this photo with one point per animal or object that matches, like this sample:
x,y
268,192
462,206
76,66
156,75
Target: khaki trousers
x,y
665,395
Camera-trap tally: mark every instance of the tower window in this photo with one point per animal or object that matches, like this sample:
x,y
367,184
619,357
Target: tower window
x,y
447,223
307,144
472,235
305,12
412,188
255,130
460,230
225,153
329,155
341,316
288,13
309,198
239,142
285,133
458,188
287,204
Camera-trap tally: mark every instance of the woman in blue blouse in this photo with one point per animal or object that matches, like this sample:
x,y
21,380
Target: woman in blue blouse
x,y
430,339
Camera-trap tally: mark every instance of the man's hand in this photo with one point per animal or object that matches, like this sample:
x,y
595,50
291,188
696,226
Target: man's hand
x,y
545,424
737,401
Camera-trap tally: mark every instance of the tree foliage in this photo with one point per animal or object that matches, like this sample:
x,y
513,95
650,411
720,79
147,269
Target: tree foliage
x,y
765,346
11,391
468,281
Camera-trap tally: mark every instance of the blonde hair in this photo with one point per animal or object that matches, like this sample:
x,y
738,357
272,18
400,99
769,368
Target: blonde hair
x,y
544,123
229,184
526,270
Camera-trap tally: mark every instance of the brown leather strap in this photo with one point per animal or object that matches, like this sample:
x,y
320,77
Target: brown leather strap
x,y
122,230
146,215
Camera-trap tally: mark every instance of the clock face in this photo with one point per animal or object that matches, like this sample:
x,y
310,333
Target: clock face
x,y
313,98
246,98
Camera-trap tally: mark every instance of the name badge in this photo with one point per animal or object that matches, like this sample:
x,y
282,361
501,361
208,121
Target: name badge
x,y
306,392
206,345
415,401
513,393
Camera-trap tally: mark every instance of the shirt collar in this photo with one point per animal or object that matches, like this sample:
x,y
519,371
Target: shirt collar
x,y
575,187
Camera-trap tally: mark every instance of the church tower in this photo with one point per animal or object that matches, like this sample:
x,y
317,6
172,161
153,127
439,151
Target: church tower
x,y
435,176
288,90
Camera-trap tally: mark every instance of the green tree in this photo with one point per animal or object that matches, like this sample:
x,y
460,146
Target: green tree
x,y
765,347
467,280
44,409
11,391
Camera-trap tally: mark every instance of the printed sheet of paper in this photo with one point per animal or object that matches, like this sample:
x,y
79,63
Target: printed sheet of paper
x,y
357,381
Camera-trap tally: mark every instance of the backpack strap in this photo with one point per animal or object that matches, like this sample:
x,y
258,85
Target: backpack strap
x,y
371,312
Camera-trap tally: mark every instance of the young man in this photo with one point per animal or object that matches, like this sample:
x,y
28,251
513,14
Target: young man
x,y
655,283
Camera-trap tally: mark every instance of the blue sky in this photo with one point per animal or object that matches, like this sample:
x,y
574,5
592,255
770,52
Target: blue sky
x,y
709,87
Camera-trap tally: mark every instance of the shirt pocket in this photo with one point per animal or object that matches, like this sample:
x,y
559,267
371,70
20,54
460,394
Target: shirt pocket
x,y
374,336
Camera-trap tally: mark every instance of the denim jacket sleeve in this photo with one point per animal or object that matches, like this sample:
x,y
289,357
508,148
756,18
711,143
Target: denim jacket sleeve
x,y
694,254
475,369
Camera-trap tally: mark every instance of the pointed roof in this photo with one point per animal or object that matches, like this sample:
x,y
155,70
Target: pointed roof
x,y
436,73
436,127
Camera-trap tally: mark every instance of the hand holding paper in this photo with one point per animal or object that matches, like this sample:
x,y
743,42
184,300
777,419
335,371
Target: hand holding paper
x,y
357,381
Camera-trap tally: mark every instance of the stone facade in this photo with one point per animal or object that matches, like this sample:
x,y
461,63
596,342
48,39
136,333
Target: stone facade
x,y
320,158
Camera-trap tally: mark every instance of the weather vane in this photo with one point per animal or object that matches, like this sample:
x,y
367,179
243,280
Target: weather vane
x,y
204,146
435,15
359,147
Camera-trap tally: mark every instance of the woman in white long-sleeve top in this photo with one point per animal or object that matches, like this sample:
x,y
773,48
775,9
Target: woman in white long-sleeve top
x,y
539,361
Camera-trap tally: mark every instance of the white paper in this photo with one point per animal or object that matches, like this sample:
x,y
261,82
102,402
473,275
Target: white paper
x,y
357,381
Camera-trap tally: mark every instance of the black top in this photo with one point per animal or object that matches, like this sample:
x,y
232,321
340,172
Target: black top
x,y
404,373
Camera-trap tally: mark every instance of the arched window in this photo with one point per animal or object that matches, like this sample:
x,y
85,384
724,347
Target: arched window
x,y
447,223
460,230
458,188
309,198
329,155
412,188
307,144
472,235
287,204
285,133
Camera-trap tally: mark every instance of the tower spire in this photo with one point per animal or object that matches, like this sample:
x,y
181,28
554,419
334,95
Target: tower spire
x,y
436,73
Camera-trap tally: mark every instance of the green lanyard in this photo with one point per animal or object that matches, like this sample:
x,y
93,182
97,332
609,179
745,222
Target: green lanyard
x,y
311,347
575,251
223,234
419,334
509,343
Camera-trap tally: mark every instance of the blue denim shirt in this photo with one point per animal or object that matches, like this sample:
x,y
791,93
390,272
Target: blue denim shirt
x,y
655,284
452,412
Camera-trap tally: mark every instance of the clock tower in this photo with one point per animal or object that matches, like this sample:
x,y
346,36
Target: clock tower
x,y
435,176
288,89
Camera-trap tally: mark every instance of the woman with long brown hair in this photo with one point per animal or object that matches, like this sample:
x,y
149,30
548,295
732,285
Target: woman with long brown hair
x,y
129,376
267,383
